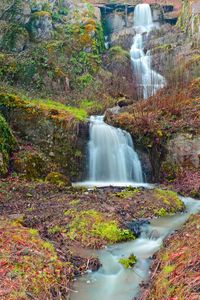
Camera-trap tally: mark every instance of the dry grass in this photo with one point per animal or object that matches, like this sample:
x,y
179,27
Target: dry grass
x,y
176,269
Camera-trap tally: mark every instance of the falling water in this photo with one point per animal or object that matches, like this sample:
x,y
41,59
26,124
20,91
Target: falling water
x,y
149,81
112,157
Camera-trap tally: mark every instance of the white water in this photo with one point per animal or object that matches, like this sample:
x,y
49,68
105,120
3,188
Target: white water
x,y
112,157
148,80
112,281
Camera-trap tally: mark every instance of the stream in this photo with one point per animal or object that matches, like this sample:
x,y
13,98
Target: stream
x,y
112,281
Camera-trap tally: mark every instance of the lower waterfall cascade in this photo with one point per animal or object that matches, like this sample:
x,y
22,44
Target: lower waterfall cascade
x,y
112,157
148,80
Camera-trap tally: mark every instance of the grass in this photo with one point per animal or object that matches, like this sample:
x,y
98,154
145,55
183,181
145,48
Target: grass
x,y
58,109
79,113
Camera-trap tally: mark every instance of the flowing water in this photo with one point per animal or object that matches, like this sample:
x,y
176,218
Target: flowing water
x,y
112,281
148,80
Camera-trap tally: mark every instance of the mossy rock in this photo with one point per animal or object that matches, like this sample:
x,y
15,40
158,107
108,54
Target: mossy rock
x,y
7,143
58,179
170,203
31,164
93,228
119,52
40,26
14,37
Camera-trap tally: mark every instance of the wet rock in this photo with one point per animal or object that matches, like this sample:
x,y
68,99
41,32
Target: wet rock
x,y
136,226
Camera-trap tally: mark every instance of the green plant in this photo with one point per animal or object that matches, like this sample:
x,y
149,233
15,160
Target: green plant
x,y
128,262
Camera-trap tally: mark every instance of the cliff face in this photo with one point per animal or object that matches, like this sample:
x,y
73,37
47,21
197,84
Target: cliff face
x,y
189,20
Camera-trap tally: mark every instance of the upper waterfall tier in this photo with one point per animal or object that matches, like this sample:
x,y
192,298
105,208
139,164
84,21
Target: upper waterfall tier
x,y
112,157
143,15
148,81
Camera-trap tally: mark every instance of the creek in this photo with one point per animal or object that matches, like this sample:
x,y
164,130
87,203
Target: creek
x,y
112,281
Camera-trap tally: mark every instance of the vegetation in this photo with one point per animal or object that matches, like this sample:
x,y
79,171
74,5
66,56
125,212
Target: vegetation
x,y
55,72
180,256
7,143
29,265
128,262
86,226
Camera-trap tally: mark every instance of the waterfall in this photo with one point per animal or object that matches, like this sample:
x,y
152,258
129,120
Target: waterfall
x,y
148,80
112,157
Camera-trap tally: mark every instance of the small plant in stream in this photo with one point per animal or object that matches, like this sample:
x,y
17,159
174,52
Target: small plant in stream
x,y
128,262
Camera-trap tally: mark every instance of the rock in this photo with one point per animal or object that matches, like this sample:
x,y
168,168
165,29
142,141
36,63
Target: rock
x,y
184,150
40,26
13,38
15,11
136,226
31,164
123,38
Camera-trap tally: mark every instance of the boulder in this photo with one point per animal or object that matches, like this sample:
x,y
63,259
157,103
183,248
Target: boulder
x,y
40,26
184,150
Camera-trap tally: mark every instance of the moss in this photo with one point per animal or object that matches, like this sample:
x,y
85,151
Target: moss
x,y
119,52
162,48
57,179
54,108
86,225
31,165
7,144
128,262
14,38
171,202
128,193
169,170
56,229
40,14
161,212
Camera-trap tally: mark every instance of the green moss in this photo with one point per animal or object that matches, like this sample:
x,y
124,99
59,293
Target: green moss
x,y
119,51
161,212
58,179
11,100
7,143
31,165
129,192
128,262
172,198
169,170
56,229
93,224
40,14
162,48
